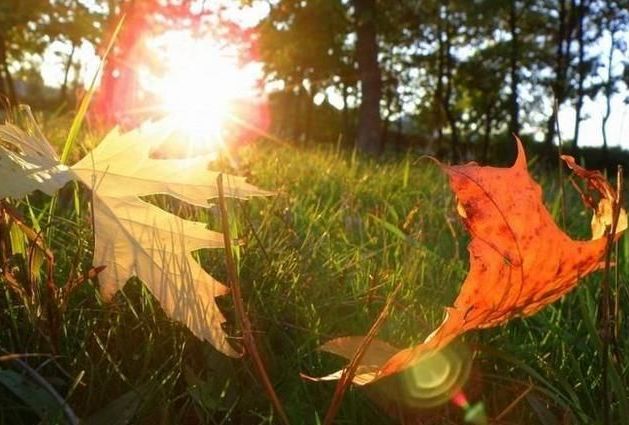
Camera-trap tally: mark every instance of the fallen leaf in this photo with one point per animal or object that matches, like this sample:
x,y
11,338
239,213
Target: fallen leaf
x,y
28,163
520,260
603,216
376,354
134,238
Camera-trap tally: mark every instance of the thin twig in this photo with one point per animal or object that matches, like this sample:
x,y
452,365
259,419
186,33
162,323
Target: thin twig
x,y
514,403
15,356
348,373
605,319
241,313
14,285
77,281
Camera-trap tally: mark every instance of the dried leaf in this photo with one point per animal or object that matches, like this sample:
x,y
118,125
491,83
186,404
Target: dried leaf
x,y
520,260
132,236
136,238
376,354
602,219
28,163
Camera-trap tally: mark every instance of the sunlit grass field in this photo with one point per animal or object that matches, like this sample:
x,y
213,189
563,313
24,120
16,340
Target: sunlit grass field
x,y
317,261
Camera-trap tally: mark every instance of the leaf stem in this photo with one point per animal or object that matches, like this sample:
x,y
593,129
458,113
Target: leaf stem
x,y
241,314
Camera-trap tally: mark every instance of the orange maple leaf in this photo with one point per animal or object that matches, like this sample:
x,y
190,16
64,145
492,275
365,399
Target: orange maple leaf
x,y
520,260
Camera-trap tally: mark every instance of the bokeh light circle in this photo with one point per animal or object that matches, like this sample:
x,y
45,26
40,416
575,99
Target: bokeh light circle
x,y
433,380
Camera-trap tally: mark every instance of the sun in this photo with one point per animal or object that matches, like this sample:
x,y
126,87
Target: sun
x,y
200,85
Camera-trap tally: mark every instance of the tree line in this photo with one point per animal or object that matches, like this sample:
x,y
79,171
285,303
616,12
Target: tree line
x,y
453,76
459,73
27,27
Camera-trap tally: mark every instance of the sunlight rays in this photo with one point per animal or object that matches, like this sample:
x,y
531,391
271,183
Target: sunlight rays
x,y
200,84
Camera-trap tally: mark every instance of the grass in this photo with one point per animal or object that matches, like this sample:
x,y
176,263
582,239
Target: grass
x,y
319,260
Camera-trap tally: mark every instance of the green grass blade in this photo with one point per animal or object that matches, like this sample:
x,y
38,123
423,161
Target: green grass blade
x,y
85,102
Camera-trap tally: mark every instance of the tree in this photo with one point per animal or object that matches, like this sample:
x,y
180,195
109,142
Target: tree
x,y
22,30
369,122
514,59
74,23
467,72
615,19
582,67
27,27
303,47
563,41
307,46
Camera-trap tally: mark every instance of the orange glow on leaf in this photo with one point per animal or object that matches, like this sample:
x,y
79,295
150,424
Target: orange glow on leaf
x,y
520,260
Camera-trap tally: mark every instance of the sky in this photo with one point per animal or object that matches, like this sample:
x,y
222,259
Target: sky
x,y
52,68
593,110
53,63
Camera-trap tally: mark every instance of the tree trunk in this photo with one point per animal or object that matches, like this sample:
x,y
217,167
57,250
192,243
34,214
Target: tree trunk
x,y
487,133
284,122
447,107
310,106
297,110
609,90
581,71
3,90
4,67
556,86
385,129
515,73
63,91
389,98
438,108
297,118
345,114
401,140
562,60
369,132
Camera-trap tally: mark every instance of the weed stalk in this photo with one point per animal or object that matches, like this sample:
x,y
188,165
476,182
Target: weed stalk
x,y
348,373
607,318
241,313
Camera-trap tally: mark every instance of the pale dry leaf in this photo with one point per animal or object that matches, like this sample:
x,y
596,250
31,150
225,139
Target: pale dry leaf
x,y
28,163
376,354
136,238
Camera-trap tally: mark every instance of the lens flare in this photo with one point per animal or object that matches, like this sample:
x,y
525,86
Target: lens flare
x,y
200,86
436,379
474,413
